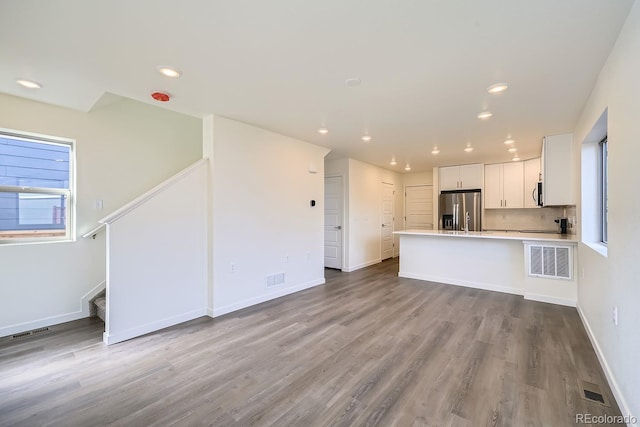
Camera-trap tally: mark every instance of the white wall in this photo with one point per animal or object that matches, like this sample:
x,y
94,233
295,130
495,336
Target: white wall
x,y
611,281
417,178
363,210
157,260
262,188
122,150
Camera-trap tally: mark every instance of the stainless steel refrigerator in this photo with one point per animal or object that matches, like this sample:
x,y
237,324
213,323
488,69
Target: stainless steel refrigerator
x,y
454,207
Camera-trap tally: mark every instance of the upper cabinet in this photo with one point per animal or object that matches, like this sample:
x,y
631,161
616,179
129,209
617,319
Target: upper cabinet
x,y
503,185
557,170
464,177
531,179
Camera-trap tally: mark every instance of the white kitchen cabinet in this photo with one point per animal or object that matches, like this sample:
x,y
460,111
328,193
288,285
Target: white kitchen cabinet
x,y
531,179
557,170
504,185
463,177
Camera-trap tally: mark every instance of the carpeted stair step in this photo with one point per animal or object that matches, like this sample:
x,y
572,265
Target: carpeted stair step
x,y
101,306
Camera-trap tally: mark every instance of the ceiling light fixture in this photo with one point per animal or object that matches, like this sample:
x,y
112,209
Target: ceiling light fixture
x,y
323,131
393,161
468,148
509,141
407,168
29,84
512,150
516,158
171,72
485,115
435,150
497,88
366,138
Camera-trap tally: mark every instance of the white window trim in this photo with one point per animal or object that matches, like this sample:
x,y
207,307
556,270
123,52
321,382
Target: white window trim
x,y
70,232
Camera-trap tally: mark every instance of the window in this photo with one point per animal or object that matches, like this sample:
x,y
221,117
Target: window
x,y
603,193
36,184
594,188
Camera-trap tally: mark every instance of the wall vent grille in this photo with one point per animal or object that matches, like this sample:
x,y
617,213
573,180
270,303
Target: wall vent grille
x,y
549,261
275,280
30,333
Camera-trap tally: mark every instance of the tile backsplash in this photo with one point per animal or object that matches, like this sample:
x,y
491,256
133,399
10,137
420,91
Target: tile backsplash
x,y
527,219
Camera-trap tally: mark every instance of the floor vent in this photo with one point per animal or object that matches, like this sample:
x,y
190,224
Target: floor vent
x,y
30,333
592,393
275,279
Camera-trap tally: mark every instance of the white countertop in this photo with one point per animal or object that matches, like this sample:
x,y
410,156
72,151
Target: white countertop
x,y
504,235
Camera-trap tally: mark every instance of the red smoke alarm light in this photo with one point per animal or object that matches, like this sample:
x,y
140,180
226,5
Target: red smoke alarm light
x,y
160,96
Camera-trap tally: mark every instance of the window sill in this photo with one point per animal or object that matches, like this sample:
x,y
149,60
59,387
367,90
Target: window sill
x,y
598,247
36,241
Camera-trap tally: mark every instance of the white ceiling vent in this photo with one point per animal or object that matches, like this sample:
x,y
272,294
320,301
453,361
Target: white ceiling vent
x,y
550,261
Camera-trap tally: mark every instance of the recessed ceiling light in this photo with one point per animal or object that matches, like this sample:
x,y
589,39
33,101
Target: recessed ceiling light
x,y
485,115
516,158
497,88
435,150
353,82
512,150
468,149
323,131
169,71
366,138
30,84
508,141
393,161
407,168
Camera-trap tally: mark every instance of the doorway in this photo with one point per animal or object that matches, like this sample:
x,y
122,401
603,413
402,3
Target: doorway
x,y
333,214
386,233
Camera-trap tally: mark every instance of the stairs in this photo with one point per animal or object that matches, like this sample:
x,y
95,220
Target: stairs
x,y
98,305
101,305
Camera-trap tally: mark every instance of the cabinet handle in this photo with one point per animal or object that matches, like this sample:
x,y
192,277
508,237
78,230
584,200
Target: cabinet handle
x,y
505,203
500,203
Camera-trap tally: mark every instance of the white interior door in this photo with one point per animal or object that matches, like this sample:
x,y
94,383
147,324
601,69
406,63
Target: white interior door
x,y
333,222
387,221
418,207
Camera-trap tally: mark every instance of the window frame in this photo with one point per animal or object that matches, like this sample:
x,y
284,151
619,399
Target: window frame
x,y
604,215
44,236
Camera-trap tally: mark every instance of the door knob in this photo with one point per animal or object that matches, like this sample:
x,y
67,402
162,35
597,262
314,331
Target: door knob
x,y
337,227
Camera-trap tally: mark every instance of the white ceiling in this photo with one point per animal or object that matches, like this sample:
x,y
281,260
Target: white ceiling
x,y
282,65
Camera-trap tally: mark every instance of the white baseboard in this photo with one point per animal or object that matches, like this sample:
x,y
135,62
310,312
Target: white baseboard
x,y
219,311
127,334
465,283
363,265
615,388
41,323
549,299
55,320
210,311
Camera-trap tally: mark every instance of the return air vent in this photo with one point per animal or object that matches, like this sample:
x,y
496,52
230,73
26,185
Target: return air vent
x,y
275,280
550,261
30,333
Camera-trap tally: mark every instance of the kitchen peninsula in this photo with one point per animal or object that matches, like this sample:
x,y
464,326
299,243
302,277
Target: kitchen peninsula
x,y
538,266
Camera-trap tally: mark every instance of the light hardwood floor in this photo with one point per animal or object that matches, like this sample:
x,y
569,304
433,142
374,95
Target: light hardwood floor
x,y
368,348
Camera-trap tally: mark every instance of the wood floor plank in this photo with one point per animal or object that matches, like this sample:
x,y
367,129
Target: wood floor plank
x,y
367,348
